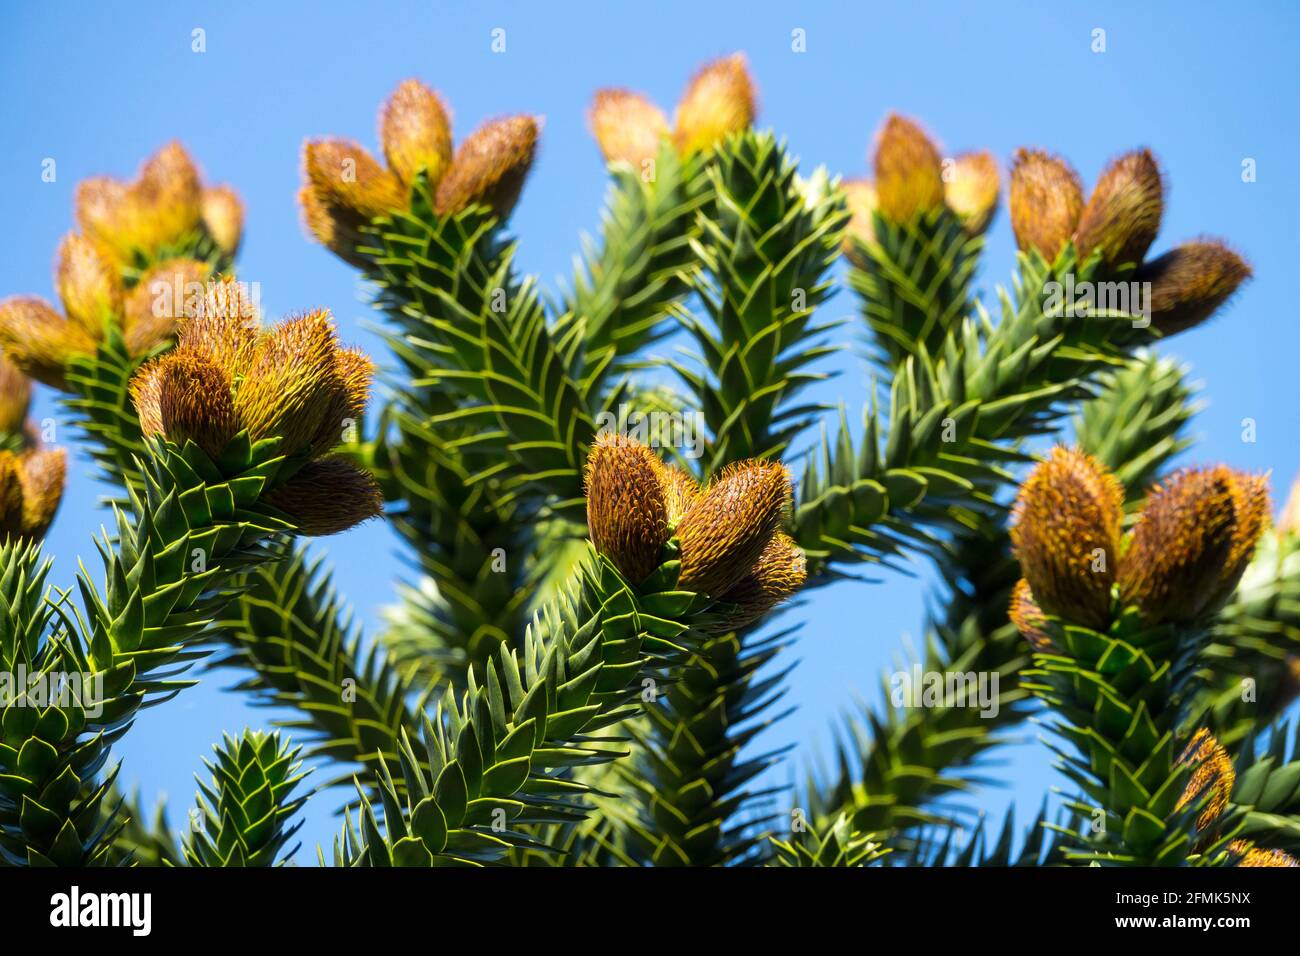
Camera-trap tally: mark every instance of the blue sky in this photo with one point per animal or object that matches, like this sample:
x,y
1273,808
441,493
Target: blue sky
x,y
1206,86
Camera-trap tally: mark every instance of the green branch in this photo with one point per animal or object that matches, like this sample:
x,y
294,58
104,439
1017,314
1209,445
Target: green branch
x,y
245,811
626,289
499,757
289,631
168,573
936,458
896,763
767,240
1252,658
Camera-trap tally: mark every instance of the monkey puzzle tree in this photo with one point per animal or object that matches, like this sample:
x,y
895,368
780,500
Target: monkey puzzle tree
x,y
583,667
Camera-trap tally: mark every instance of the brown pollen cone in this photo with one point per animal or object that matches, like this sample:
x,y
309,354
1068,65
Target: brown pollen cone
x,y
224,327
972,191
1192,542
490,167
15,398
88,285
194,402
780,571
350,388
291,382
345,189
909,173
719,100
1191,282
40,341
627,513
169,182
727,527
343,173
42,473
332,224
1028,617
679,490
11,498
1252,506
415,132
1213,773
1046,200
327,496
1066,536
1123,215
627,126
31,487
223,217
1247,854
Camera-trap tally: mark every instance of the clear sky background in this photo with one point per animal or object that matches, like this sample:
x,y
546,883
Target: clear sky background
x,y
97,87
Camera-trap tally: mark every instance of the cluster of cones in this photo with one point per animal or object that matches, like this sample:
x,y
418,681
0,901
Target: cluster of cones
x,y
730,546
912,180
1119,221
292,381
1191,543
131,266
1182,561
346,187
719,100
128,265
